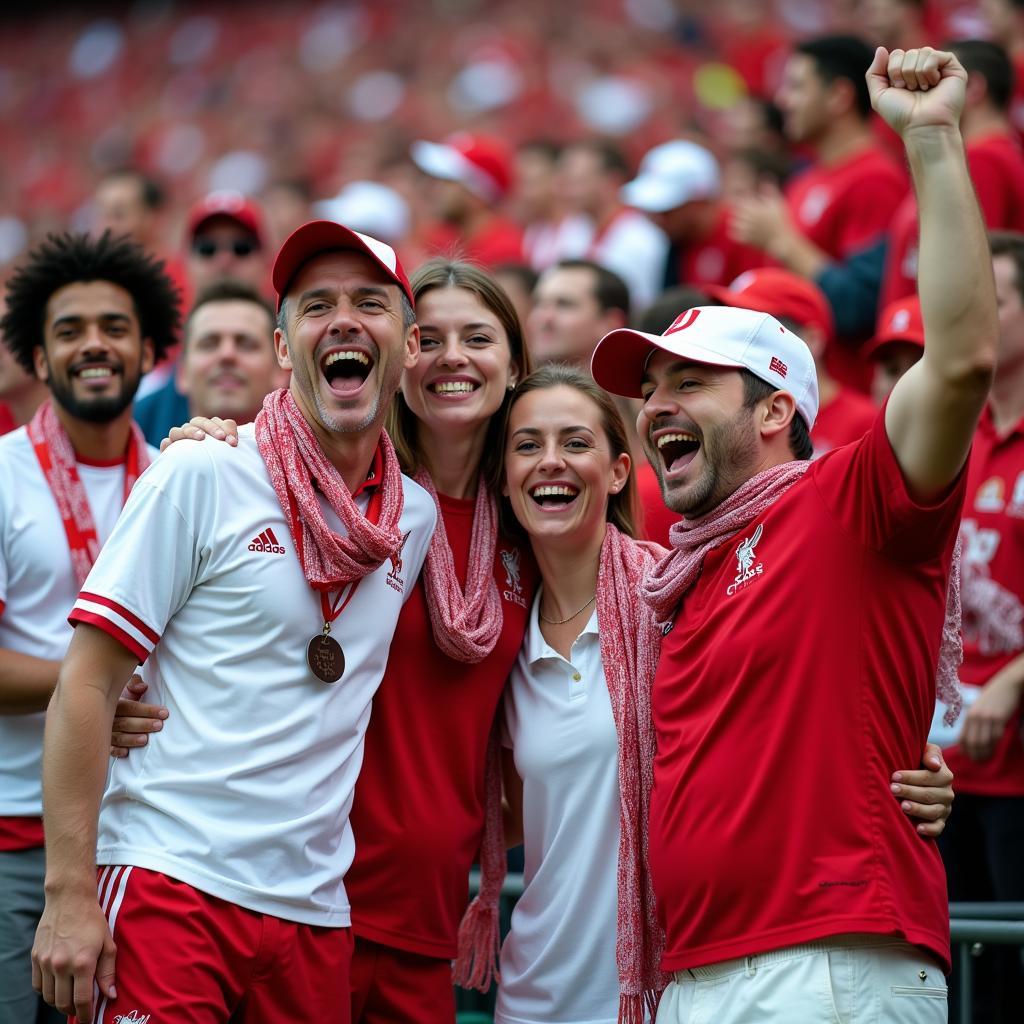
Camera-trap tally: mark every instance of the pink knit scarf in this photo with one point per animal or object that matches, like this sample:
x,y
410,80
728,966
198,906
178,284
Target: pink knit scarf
x,y
57,460
692,539
630,641
298,467
466,622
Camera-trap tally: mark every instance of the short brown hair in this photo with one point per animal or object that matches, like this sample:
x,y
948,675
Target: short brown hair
x,y
622,506
1011,244
402,425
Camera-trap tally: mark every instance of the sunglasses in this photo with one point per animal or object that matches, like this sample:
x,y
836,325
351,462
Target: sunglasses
x,y
207,248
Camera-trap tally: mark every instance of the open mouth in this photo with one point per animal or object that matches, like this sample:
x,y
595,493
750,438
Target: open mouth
x,y
678,449
95,374
346,371
452,388
555,496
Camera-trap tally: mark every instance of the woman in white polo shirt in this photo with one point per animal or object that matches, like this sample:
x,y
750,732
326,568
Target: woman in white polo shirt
x,y
584,944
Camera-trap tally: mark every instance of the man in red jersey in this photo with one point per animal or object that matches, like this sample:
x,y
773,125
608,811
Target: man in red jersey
x,y
985,849
896,346
994,158
801,306
471,175
846,198
806,605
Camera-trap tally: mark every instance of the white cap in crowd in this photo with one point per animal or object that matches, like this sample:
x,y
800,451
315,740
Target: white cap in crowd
x,y
672,174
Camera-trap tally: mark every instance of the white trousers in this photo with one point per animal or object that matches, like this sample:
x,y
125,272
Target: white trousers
x,y
846,979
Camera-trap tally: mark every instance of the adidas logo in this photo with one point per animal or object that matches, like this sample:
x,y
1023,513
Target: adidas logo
x,y
267,542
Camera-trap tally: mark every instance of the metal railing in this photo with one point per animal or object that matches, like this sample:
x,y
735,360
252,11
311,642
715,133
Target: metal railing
x,y
971,927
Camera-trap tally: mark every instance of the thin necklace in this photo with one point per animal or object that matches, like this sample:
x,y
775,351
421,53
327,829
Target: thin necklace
x,y
562,622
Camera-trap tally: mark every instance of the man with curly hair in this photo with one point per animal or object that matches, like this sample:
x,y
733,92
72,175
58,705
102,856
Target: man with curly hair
x,y
87,317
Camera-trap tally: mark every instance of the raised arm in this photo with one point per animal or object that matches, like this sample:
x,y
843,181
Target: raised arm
x,y
933,410
73,947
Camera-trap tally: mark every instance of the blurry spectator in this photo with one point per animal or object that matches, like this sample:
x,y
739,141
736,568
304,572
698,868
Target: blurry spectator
x,y
21,392
576,303
801,306
472,175
983,847
847,198
286,206
994,157
536,201
656,518
755,123
131,203
601,228
746,172
519,282
678,186
897,345
371,208
226,239
1005,20
228,362
894,24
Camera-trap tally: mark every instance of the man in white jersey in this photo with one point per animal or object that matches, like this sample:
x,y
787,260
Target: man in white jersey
x,y
263,585
87,318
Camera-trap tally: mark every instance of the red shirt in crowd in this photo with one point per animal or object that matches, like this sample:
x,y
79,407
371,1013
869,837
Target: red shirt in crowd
x,y
656,517
996,163
500,241
815,647
419,803
993,541
843,207
847,417
718,259
7,423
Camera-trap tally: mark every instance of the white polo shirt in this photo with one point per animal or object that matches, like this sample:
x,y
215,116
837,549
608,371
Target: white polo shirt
x,y
245,793
558,961
37,590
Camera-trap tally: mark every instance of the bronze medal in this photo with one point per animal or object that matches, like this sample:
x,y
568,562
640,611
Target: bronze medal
x,y
326,658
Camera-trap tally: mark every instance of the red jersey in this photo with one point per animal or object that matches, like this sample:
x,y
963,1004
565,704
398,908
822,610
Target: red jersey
x,y
7,423
996,164
812,637
419,803
844,207
847,417
21,833
718,259
500,241
656,517
993,544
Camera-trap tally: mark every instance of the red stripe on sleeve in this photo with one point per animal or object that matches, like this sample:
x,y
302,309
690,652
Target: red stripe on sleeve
x,y
112,629
148,633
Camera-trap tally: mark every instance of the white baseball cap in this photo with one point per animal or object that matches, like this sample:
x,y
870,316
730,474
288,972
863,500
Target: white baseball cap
x,y
369,208
718,336
671,174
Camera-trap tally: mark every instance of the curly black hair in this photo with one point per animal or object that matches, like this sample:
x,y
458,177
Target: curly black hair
x,y
68,258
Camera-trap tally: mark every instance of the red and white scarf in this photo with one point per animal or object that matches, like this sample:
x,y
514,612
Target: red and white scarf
x,y
57,460
467,621
630,641
692,539
296,462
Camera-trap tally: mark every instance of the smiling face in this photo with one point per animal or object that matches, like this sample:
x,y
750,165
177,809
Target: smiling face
x,y
345,341
92,356
697,432
560,468
465,365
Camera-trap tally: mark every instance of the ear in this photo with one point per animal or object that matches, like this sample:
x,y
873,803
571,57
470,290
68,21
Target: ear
x,y
41,365
841,97
180,377
148,356
977,88
515,373
619,473
612,320
412,347
814,340
284,360
774,415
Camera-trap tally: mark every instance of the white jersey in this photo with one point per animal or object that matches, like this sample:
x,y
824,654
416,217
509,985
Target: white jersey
x,y
558,961
245,793
37,590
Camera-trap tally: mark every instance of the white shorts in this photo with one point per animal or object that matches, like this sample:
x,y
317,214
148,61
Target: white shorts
x,y
870,979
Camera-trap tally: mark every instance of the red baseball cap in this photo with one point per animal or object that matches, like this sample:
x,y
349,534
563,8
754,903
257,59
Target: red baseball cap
x,y
226,203
319,236
899,321
783,294
482,164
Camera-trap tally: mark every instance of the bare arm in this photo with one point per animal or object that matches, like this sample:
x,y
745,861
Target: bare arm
x,y
26,683
933,410
985,720
73,945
